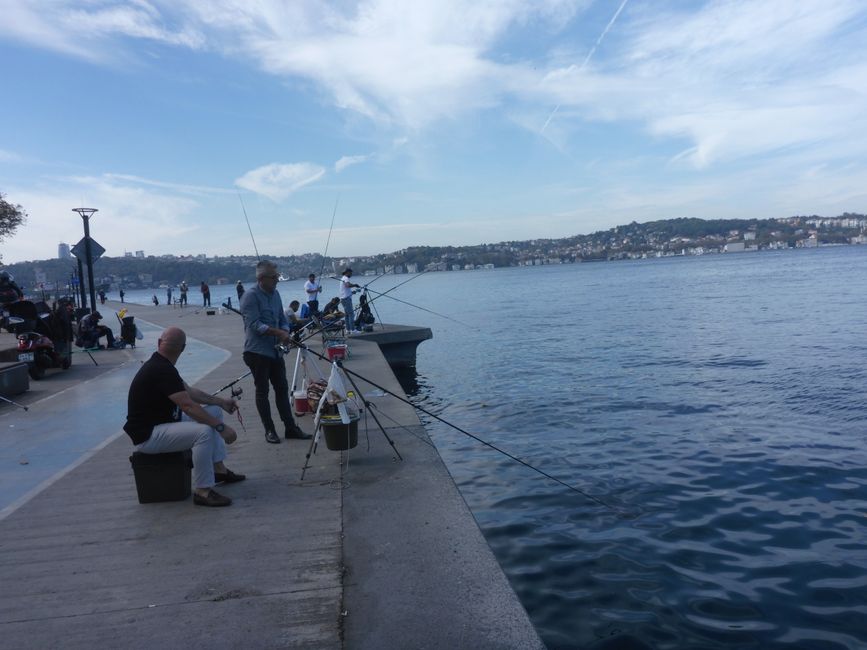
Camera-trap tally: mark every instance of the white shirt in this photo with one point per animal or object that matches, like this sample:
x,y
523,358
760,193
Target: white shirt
x,y
312,289
291,316
345,289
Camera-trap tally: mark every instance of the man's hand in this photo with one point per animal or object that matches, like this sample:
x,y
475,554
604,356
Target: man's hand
x,y
228,434
283,335
228,405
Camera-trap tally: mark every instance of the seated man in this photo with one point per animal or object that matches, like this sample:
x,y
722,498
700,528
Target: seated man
x,y
331,313
295,321
157,396
90,331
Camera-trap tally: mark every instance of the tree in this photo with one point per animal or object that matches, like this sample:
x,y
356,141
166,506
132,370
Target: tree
x,y
11,216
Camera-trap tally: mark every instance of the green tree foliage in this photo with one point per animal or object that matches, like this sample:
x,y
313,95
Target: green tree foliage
x,y
11,216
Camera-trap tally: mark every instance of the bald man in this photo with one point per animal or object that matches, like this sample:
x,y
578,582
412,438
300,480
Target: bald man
x,y
165,414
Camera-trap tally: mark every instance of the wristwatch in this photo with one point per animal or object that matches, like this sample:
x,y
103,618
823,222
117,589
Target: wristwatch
x,y
220,428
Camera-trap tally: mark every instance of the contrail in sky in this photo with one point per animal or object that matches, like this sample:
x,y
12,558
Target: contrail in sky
x,y
590,55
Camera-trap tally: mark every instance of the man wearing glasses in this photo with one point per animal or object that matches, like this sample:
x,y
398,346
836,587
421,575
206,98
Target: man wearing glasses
x,y
265,326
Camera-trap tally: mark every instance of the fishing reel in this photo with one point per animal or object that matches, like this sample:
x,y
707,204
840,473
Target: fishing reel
x,y
236,392
282,348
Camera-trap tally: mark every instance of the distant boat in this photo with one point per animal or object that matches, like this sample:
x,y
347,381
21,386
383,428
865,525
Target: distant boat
x,y
283,278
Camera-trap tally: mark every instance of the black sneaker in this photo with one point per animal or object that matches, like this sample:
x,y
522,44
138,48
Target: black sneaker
x,y
272,437
212,499
294,432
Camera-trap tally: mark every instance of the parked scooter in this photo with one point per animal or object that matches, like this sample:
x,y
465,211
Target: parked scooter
x,y
42,339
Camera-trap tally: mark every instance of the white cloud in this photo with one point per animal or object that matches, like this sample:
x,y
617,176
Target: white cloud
x,y
278,181
129,217
87,30
348,161
9,156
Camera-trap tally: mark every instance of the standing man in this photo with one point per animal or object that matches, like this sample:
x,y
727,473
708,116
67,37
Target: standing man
x,y
183,288
313,289
122,294
168,295
265,326
346,287
206,294
157,397
239,288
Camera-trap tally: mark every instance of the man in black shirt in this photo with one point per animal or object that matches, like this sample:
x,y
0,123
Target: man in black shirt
x,y
157,398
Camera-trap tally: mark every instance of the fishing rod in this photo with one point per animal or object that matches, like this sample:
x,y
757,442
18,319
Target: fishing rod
x,y
351,374
14,403
312,333
328,241
255,248
236,392
300,344
400,284
430,311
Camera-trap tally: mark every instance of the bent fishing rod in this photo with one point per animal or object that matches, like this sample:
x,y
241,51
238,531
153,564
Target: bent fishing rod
x,y
328,241
255,248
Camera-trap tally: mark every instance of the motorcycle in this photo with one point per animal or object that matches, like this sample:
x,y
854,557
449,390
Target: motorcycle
x,y
42,339
38,351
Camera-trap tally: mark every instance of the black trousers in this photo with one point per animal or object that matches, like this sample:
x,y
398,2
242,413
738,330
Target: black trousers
x,y
268,370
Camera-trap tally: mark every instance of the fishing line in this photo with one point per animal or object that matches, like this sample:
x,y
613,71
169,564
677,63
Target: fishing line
x,y
430,311
328,241
255,248
587,496
484,442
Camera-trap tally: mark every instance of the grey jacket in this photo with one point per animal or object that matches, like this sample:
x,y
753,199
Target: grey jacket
x,y
262,310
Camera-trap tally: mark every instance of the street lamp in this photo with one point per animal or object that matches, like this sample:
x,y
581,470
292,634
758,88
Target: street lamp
x,y
85,214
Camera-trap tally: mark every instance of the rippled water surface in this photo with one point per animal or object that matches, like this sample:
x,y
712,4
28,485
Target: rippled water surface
x,y
716,406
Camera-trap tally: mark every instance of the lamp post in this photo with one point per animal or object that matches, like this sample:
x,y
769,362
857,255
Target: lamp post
x,y
85,214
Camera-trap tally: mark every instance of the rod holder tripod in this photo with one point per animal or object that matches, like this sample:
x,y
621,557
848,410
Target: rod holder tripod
x,y
314,443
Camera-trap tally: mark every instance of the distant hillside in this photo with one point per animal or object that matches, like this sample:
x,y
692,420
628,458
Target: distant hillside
x,y
664,237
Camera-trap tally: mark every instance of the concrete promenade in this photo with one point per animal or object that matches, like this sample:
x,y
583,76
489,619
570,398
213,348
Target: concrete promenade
x,y
367,552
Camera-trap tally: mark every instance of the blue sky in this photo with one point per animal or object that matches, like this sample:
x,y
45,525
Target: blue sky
x,y
428,123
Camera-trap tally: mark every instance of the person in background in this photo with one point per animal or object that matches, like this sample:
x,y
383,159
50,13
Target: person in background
x,y
122,294
155,300
295,321
265,326
206,294
168,295
9,289
312,288
332,312
157,398
365,316
101,297
346,287
183,289
240,289
90,331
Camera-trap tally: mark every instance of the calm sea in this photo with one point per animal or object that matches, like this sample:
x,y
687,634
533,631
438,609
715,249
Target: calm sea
x,y
716,405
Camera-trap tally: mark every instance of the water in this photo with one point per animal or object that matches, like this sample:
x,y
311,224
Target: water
x,y
715,404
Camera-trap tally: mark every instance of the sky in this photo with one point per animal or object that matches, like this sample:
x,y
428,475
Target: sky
x,y
421,123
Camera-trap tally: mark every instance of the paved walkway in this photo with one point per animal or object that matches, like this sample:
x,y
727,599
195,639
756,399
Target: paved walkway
x,y
376,553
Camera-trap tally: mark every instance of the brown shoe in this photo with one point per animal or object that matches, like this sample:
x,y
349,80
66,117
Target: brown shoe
x,y
213,500
228,477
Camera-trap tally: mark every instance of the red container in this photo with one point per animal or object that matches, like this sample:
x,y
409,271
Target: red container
x,y
300,405
336,351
